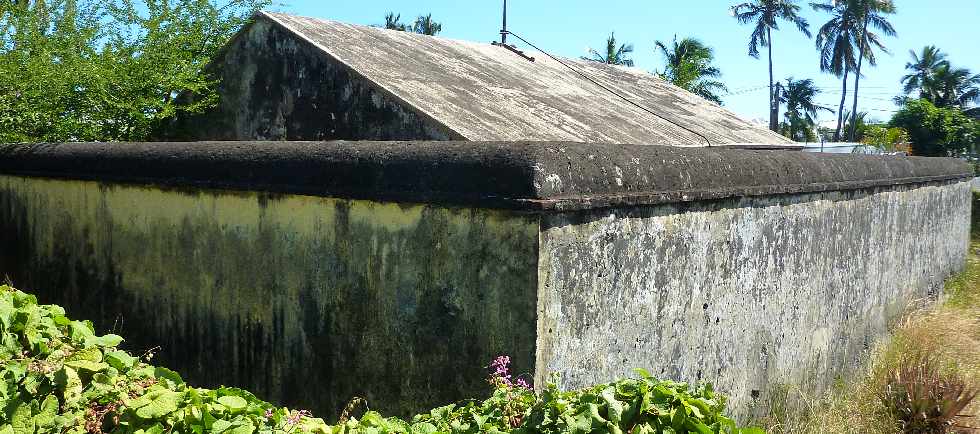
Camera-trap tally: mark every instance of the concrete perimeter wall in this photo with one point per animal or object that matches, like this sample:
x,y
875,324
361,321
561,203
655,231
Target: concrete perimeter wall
x,y
306,301
313,272
756,295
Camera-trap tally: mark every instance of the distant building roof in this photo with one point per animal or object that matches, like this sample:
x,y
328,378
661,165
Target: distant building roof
x,y
485,92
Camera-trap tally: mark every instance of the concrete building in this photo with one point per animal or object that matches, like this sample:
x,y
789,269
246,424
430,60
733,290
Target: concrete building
x,y
312,272
294,78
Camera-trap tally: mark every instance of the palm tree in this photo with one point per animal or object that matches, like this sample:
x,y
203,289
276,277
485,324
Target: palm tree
x,y
872,15
835,42
425,26
953,87
614,55
393,22
689,67
801,111
765,15
857,122
923,69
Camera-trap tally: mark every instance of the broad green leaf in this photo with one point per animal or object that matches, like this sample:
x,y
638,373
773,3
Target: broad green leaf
x,y
21,420
614,408
48,412
87,365
120,360
162,403
87,354
104,341
234,403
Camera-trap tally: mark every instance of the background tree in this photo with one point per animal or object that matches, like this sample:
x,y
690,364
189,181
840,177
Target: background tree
x,y
614,55
953,87
75,70
892,139
801,111
931,76
765,15
859,123
424,25
393,22
835,42
937,131
689,66
871,14
922,69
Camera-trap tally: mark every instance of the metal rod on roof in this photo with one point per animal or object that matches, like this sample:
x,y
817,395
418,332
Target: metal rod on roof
x,y
503,31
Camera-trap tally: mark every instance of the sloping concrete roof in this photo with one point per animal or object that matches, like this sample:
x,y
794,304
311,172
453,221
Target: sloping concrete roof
x,y
485,92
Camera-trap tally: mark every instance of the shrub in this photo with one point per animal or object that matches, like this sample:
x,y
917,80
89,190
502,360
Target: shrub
x,y
923,399
58,376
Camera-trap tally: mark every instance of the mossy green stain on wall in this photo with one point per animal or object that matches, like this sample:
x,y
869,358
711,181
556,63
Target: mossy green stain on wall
x,y
309,301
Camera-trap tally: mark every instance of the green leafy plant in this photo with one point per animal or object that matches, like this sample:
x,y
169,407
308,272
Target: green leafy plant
x,y
59,376
924,399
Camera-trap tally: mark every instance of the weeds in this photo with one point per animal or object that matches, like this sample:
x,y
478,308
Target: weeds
x,y
924,399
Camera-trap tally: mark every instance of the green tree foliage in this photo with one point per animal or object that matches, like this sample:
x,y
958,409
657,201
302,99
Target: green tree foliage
x,y
848,39
613,54
423,25
887,139
689,66
836,44
937,131
922,70
872,16
765,16
858,122
801,111
932,77
77,70
393,22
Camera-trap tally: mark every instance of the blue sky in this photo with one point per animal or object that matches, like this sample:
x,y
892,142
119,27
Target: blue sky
x,y
568,27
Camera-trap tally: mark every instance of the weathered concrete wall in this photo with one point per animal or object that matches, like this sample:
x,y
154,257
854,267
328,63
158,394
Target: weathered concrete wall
x,y
276,86
306,301
748,293
289,269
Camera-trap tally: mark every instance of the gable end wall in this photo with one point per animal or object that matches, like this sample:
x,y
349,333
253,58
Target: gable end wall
x,y
276,86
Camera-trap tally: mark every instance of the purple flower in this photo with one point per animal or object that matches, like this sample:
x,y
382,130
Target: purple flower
x,y
501,367
268,414
523,383
295,417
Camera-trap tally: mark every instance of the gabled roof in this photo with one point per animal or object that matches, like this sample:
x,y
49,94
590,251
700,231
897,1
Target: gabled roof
x,y
485,92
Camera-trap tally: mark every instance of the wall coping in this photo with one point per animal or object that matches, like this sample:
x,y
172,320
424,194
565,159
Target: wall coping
x,y
533,176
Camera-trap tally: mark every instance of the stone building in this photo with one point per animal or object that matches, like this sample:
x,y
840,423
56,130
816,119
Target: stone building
x,y
292,78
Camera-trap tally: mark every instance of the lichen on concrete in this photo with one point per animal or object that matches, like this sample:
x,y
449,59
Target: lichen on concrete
x,y
307,301
745,293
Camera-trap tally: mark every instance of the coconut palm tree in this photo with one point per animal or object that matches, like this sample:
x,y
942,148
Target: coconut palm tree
x,y
953,87
922,69
801,111
688,66
613,55
835,42
765,15
425,26
393,22
871,15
